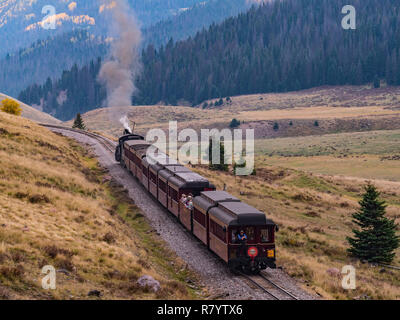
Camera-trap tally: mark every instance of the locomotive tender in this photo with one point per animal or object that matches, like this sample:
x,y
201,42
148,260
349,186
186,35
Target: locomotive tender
x,y
216,217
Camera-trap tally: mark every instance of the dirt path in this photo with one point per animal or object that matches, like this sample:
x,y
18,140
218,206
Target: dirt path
x,y
214,273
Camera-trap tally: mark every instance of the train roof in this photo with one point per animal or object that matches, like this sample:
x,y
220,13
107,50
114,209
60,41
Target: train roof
x,y
169,171
161,158
239,214
188,180
218,196
137,143
209,199
130,137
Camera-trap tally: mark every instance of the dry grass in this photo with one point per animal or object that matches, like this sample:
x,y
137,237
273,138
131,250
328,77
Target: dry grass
x,y
367,155
56,208
314,215
33,114
336,108
313,210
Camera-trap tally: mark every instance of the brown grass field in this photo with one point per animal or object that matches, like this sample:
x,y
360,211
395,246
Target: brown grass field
x,y
309,178
314,215
31,113
338,109
58,208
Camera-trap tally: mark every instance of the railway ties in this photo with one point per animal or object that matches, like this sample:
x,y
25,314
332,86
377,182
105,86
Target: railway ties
x,y
105,142
265,284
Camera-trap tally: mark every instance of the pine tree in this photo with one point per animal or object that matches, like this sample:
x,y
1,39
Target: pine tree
x,y
234,123
222,166
78,123
377,240
377,82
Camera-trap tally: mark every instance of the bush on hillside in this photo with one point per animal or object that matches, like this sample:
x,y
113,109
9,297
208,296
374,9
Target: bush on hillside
x,y
11,106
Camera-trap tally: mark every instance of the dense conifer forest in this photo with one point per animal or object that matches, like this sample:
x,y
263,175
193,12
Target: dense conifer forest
x,y
280,46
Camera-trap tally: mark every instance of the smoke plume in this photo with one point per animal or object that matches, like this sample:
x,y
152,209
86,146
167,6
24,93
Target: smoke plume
x,y
119,71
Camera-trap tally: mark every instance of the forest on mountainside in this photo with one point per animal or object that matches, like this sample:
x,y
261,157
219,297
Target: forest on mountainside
x,y
277,47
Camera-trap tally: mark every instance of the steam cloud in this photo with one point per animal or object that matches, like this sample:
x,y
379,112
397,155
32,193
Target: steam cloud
x,y
120,70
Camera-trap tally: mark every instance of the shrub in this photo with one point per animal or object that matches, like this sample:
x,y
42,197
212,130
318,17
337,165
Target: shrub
x,y
234,123
11,106
109,238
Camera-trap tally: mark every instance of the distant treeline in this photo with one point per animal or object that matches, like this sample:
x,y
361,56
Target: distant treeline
x,y
280,46
77,91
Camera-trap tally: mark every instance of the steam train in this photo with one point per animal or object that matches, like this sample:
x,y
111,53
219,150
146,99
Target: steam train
x,y
215,218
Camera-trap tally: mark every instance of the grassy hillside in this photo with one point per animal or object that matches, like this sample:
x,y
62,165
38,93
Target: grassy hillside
x,y
33,114
314,216
337,109
367,155
57,207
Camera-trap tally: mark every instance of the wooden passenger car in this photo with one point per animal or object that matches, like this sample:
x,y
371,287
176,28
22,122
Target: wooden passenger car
x,y
201,205
225,222
163,177
132,154
184,183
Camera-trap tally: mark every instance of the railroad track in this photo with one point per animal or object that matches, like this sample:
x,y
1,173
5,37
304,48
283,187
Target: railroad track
x,y
105,142
263,283
260,281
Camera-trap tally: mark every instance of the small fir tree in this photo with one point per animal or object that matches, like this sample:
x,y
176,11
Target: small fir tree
x,y
375,240
78,123
221,166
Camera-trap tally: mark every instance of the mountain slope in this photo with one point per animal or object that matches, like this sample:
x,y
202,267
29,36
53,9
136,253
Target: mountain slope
x,y
33,114
57,208
48,58
20,19
277,47
192,20
280,46
60,51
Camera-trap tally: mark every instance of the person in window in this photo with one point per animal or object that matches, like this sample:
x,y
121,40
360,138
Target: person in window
x,y
189,202
183,199
242,239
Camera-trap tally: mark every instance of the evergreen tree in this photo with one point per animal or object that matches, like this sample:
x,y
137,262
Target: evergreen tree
x,y
276,126
221,166
377,240
234,123
377,82
78,123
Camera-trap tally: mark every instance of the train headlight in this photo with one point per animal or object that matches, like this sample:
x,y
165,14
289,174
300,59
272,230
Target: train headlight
x,y
270,253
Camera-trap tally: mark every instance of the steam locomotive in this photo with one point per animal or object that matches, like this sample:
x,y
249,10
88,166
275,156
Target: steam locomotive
x,y
215,217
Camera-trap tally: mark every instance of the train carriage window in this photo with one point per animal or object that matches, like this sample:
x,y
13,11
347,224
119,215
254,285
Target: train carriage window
x,y
173,194
218,230
234,233
162,185
250,233
153,177
264,235
199,217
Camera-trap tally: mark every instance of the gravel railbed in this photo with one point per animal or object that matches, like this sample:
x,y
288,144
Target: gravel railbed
x,y
215,276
